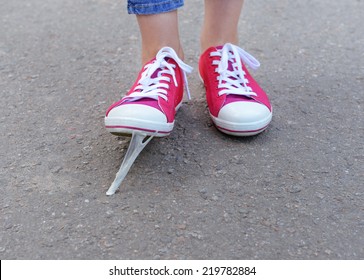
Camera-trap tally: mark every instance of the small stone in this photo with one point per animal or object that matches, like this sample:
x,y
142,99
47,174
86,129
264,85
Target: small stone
x,y
227,218
203,193
108,244
294,189
163,251
244,213
87,148
181,226
196,235
8,226
320,196
291,230
56,169
214,197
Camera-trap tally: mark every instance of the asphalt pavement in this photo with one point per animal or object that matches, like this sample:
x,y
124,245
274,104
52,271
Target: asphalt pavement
x,y
293,192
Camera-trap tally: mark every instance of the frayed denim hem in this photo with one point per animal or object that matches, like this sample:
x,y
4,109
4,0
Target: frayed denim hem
x,y
149,7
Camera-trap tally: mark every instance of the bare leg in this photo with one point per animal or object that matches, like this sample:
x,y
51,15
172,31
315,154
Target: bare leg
x,y
157,31
220,23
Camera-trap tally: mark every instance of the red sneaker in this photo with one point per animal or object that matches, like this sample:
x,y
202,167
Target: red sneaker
x,y
238,106
151,103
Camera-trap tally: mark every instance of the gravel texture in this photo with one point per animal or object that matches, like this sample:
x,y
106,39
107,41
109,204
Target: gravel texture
x,y
293,192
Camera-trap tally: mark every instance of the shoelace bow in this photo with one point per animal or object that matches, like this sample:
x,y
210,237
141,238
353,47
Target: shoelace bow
x,y
234,81
150,84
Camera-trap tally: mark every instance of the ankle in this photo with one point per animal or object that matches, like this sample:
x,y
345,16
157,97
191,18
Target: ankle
x,y
212,40
151,52
214,43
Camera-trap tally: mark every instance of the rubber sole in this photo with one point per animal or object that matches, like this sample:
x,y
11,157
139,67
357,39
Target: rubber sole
x,y
242,129
126,126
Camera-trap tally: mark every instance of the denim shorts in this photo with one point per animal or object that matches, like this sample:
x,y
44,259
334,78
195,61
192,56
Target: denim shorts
x,y
147,7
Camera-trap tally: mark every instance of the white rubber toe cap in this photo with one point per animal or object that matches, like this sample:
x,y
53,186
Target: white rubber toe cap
x,y
244,112
138,112
243,118
126,119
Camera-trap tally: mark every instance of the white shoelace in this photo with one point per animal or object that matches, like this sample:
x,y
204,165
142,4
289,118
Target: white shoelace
x,y
152,87
234,82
